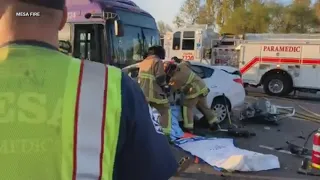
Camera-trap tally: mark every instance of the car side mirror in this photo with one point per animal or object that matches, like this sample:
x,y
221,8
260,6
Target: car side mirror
x,y
65,46
118,28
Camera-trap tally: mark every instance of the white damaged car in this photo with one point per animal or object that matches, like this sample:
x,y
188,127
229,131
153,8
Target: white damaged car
x,y
224,82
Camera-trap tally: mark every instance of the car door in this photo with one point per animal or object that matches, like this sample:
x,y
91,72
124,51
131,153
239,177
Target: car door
x,y
132,72
207,74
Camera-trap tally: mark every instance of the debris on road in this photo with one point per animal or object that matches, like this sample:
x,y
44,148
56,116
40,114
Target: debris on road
x,y
267,128
263,111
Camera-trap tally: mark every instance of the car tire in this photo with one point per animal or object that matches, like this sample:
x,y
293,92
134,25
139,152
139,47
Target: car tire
x,y
282,80
222,106
218,102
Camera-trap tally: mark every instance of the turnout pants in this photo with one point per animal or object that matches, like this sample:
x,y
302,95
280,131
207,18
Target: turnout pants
x,y
200,103
165,116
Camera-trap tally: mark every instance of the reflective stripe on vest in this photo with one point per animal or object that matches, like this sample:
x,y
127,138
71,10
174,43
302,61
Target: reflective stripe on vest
x,y
198,90
190,79
151,78
96,122
146,76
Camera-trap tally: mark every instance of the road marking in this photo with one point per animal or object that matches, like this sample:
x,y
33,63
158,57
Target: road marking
x,y
287,99
307,110
274,149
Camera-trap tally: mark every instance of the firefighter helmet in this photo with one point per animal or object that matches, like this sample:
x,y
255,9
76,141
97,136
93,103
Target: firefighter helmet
x,y
158,51
170,68
176,59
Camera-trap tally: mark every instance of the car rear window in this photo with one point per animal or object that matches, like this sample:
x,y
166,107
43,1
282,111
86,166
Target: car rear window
x,y
202,71
238,73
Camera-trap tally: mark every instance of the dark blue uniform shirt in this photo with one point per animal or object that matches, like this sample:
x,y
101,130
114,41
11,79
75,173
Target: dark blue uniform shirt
x,y
143,152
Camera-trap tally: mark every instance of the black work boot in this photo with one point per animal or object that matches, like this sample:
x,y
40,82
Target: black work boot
x,y
214,127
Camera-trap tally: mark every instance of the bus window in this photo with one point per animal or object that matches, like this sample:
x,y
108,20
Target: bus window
x,y
140,32
176,40
136,19
188,40
127,49
151,38
87,42
83,42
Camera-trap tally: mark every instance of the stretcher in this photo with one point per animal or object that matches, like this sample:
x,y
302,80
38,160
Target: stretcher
x,y
262,110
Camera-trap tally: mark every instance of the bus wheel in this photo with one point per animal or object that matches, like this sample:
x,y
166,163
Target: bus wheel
x,y
277,85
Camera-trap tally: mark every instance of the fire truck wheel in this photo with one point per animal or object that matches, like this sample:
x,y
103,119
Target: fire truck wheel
x,y
277,85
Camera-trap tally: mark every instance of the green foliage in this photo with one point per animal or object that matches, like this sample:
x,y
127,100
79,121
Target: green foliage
x,y
317,9
189,13
237,23
301,16
252,16
277,15
163,27
207,13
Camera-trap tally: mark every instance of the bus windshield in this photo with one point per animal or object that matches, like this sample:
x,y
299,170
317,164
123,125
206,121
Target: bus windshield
x,y
140,32
95,39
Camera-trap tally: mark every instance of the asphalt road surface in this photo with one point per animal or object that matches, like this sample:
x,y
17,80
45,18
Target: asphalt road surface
x,y
268,136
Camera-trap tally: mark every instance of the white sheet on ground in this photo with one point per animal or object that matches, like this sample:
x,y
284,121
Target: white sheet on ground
x,y
223,154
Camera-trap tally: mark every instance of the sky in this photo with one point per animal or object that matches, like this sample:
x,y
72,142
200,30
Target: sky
x,y
165,10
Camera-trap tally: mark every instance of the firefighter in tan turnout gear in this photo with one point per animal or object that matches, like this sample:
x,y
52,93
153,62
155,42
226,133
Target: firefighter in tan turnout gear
x,y
194,92
152,80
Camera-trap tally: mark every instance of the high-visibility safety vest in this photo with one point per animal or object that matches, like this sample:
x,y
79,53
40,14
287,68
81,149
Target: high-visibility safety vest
x,y
59,116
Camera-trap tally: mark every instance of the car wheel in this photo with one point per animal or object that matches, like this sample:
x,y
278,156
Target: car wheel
x,y
277,85
221,106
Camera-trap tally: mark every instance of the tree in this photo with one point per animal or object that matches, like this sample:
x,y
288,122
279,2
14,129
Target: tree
x,y
317,8
247,18
277,13
252,16
224,12
207,13
225,9
189,13
258,16
237,23
301,17
178,21
163,27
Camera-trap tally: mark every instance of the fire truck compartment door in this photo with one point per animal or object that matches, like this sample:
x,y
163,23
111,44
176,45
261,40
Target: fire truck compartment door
x,y
249,59
308,75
